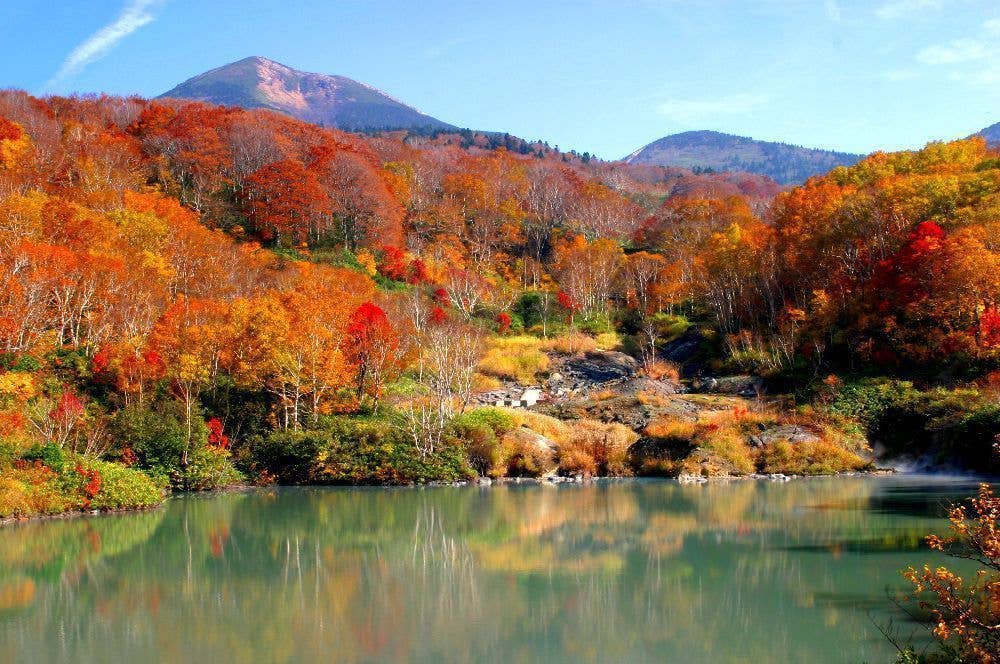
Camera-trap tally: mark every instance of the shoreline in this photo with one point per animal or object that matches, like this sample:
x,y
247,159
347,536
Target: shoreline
x,y
481,482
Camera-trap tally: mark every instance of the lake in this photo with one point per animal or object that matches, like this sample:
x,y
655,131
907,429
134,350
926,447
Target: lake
x,y
609,571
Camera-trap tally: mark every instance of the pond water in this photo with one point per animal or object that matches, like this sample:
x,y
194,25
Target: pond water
x,y
610,571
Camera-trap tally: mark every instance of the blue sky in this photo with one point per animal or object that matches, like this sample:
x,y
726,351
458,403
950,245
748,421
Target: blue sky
x,y
605,76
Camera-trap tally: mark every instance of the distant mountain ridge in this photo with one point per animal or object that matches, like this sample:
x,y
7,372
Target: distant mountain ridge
x,y
332,101
991,134
784,163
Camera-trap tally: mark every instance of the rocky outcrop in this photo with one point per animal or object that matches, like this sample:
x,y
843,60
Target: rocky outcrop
x,y
601,366
742,386
791,433
532,454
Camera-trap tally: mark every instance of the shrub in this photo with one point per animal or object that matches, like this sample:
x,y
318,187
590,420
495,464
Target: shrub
x,y
157,437
660,370
808,458
123,488
375,451
597,448
28,489
287,456
209,468
478,431
956,426
49,454
608,341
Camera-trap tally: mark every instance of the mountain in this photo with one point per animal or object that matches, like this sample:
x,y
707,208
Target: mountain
x,y
991,134
332,101
787,164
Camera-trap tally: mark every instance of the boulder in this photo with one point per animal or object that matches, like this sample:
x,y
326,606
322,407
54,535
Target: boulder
x,y
793,433
600,366
743,386
534,455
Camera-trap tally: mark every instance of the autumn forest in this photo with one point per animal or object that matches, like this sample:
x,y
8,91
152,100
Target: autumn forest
x,y
195,296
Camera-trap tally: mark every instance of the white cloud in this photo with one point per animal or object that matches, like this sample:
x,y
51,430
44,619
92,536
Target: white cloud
x,y
955,51
693,111
904,8
992,26
136,14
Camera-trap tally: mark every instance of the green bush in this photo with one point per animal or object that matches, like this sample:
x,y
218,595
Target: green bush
x,y
952,427
209,468
50,454
124,488
8,454
288,456
346,450
478,431
374,451
156,436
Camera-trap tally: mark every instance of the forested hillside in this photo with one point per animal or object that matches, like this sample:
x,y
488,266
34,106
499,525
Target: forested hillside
x,y
212,294
715,151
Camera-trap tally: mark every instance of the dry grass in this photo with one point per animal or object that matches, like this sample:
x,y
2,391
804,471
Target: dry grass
x,y
820,458
597,448
555,430
661,370
608,341
483,383
570,343
514,358
721,442
668,428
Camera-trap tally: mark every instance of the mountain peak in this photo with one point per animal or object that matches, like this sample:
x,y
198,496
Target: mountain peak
x,y
707,149
330,100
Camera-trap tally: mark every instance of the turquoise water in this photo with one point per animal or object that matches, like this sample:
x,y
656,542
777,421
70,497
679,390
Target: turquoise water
x,y
601,572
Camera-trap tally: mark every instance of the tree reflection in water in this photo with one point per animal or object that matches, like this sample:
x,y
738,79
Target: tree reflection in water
x,y
610,571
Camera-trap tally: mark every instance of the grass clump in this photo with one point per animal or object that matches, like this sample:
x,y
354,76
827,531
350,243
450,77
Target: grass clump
x,y
570,343
518,358
597,448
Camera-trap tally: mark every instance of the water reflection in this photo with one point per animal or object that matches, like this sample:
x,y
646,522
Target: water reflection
x,y
617,571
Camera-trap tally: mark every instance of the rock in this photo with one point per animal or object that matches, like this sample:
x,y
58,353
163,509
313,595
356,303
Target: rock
x,y
650,386
793,433
683,349
686,478
555,378
743,386
600,366
484,481
535,454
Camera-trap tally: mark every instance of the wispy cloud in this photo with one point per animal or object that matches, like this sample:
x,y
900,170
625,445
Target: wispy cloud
x,y
833,11
442,48
902,8
954,52
693,111
134,15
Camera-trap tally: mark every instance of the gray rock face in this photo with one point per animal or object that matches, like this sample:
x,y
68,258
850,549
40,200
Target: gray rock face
x,y
600,366
683,349
743,386
792,433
